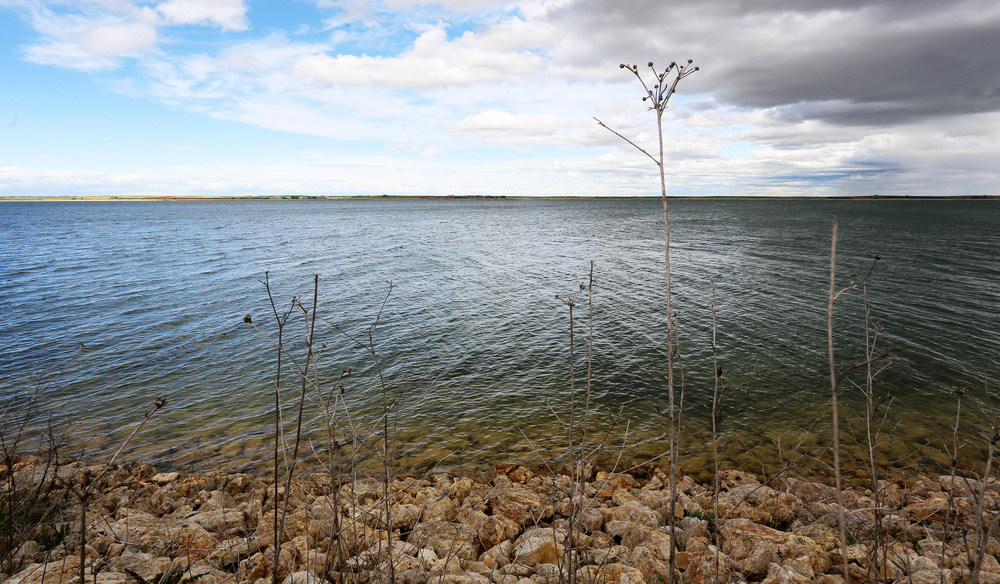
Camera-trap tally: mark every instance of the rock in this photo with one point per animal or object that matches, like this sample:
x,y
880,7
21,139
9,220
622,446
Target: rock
x,y
490,529
777,574
651,565
407,577
810,492
228,523
635,534
160,533
497,556
440,510
466,578
237,483
165,477
538,550
446,539
515,472
705,569
616,573
736,532
931,577
427,558
590,520
636,513
935,509
146,566
303,577
521,506
217,527
611,480
203,573
730,479
753,557
404,517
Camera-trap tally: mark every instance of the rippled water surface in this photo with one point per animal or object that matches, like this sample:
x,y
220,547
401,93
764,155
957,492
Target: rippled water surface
x,y
473,342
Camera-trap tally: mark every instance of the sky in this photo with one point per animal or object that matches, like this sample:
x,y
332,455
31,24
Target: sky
x,y
485,97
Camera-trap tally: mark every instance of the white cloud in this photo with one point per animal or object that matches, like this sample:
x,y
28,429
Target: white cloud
x,y
116,40
68,54
495,121
433,61
226,14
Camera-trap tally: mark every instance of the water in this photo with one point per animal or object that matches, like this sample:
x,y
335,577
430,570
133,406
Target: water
x,y
473,333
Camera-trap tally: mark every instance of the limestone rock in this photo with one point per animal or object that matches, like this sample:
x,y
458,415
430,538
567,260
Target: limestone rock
x,y
616,573
777,574
521,506
538,550
303,577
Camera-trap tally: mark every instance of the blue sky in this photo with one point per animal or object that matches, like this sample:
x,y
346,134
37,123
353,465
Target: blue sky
x,y
331,97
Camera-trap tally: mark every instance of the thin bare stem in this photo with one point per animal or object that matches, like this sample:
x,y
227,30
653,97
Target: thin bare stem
x,y
834,382
715,439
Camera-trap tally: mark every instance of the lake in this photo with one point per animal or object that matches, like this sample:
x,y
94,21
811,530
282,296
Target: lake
x,y
473,344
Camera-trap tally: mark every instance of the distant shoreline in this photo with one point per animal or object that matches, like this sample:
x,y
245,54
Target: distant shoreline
x,y
25,199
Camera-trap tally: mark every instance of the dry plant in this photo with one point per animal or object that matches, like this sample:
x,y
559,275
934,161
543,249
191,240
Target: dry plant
x,y
982,530
24,511
875,419
658,93
717,375
86,485
347,437
879,432
302,367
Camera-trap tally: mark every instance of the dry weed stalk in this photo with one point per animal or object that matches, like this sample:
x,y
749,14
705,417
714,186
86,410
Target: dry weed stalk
x,y
342,454
834,382
982,531
871,414
717,375
281,320
658,93
89,485
570,302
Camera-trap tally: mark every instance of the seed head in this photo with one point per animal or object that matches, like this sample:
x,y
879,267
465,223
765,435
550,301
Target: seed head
x,y
621,65
650,63
690,61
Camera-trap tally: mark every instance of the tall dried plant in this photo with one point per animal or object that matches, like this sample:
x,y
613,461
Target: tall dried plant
x,y
658,91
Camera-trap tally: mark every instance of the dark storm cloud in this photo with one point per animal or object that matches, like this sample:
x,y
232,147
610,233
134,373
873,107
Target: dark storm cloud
x,y
853,63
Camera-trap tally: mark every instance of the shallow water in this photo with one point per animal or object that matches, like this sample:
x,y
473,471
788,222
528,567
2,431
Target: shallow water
x,y
473,334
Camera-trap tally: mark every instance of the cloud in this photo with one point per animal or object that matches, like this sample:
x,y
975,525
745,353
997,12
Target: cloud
x,y
433,61
94,35
93,38
116,40
501,122
880,61
226,14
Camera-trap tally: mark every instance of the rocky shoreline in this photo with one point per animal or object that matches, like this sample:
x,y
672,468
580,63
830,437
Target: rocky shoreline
x,y
506,527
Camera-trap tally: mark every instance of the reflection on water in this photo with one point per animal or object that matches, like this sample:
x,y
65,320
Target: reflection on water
x,y
472,341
